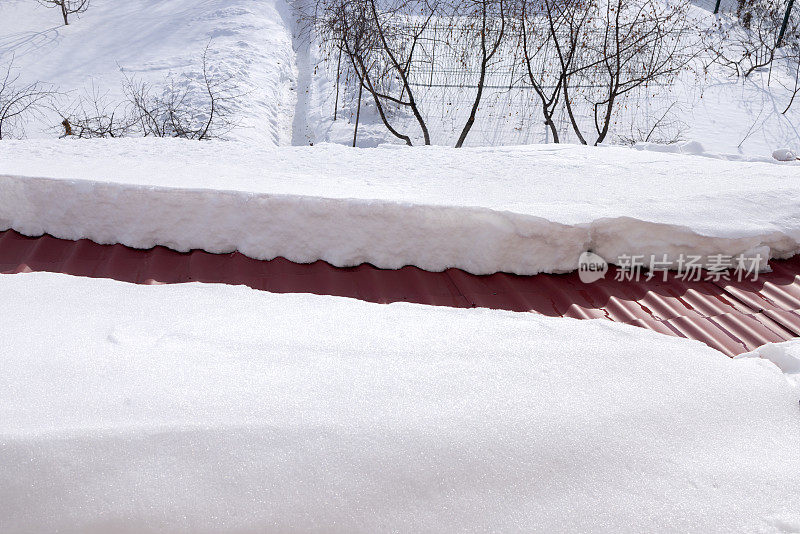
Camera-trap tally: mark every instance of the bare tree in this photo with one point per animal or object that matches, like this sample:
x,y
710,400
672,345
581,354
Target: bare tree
x,y
633,44
67,7
20,100
490,19
379,40
551,34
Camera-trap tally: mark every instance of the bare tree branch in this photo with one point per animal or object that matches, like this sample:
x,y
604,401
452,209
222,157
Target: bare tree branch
x,y
18,101
66,7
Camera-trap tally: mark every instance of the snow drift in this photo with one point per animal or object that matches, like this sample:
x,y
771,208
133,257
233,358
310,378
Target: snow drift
x,y
786,356
522,210
206,408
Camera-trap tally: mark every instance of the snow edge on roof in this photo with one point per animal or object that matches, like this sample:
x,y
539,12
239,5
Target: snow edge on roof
x,y
346,232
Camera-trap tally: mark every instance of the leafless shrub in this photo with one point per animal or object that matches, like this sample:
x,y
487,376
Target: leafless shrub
x,y
749,42
664,129
66,7
93,116
179,109
638,43
197,107
20,100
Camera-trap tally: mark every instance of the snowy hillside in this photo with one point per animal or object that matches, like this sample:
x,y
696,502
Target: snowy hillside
x,y
151,41
202,408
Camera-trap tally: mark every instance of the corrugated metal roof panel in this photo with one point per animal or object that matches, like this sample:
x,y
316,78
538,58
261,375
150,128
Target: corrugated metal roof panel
x,y
731,316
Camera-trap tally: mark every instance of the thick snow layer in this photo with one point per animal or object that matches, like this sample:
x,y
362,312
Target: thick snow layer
x,y
151,39
207,408
523,210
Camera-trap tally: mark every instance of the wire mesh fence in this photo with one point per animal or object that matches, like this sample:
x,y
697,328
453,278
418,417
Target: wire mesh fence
x,y
444,73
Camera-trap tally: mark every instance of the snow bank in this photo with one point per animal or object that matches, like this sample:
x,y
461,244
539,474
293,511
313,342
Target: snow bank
x,y
523,210
150,40
786,356
694,148
209,408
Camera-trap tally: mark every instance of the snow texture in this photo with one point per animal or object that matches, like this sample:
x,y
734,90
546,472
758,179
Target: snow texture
x,y
785,154
523,209
786,356
208,408
151,40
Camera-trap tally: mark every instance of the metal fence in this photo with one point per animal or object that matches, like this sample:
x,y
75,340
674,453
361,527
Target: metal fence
x,y
444,77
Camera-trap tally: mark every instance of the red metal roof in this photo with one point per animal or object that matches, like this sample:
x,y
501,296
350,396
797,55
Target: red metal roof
x,y
733,317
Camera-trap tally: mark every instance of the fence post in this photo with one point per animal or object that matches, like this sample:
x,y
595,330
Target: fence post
x,y
358,112
338,74
716,7
785,23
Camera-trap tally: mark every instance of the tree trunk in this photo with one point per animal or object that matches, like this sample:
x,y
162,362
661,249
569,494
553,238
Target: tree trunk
x,y
365,82
572,120
475,104
338,75
401,72
548,121
64,12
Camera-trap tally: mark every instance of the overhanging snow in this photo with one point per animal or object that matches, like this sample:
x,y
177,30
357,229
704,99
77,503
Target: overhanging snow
x,y
522,210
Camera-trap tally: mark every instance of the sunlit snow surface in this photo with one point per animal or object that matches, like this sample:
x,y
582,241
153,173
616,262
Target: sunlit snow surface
x,y
210,408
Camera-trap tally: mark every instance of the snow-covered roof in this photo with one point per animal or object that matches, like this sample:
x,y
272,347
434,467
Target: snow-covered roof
x,y
522,210
733,317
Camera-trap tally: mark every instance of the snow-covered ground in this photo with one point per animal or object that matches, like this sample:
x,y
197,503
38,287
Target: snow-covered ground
x,y
207,408
150,40
523,210
290,96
